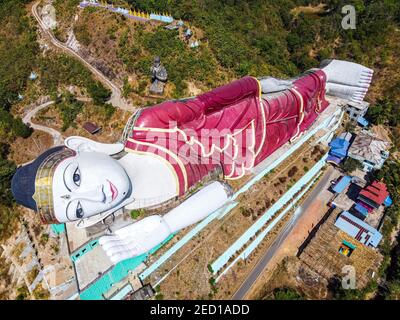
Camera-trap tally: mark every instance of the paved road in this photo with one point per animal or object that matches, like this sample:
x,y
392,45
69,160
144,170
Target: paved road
x,y
271,251
27,119
57,137
116,96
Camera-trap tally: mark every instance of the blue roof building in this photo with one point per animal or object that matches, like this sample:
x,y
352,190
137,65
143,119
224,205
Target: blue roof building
x,y
358,229
339,147
342,184
362,210
334,160
388,201
362,121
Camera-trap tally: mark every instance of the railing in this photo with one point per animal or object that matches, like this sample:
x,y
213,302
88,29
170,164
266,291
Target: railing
x,y
149,203
129,125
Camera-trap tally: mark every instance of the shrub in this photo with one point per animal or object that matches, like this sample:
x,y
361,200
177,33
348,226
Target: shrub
x,y
286,294
98,92
292,171
137,213
350,165
69,108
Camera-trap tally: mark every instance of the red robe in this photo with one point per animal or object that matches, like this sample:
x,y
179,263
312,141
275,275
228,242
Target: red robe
x,y
231,126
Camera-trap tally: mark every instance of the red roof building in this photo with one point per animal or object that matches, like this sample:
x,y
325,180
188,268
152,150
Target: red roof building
x,y
374,195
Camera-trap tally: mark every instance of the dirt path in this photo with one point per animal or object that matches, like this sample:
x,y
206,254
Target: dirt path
x,y
58,139
116,96
27,119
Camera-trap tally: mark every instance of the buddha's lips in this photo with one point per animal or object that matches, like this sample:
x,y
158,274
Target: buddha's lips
x,y
114,191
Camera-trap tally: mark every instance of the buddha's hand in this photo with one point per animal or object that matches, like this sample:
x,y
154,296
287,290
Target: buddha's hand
x,y
271,85
144,235
135,239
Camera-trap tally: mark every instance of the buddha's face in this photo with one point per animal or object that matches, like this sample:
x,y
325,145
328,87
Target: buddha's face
x,y
87,184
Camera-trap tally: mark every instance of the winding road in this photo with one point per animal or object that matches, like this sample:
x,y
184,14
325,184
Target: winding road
x,y
57,136
27,119
116,96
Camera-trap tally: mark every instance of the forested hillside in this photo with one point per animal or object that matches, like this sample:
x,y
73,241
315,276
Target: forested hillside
x,y
261,37
19,56
18,48
286,37
281,37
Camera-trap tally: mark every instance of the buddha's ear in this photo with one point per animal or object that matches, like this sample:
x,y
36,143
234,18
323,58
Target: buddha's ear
x,y
80,144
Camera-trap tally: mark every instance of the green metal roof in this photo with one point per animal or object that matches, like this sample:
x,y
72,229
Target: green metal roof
x,y
82,251
116,274
58,228
350,245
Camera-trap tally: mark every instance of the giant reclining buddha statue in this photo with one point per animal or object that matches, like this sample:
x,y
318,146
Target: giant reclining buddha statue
x,y
172,148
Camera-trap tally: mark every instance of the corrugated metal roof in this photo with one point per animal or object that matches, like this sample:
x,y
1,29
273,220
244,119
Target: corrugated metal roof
x,y
333,159
368,147
361,209
91,127
358,105
362,121
376,192
339,147
120,271
345,135
350,245
358,229
58,228
342,184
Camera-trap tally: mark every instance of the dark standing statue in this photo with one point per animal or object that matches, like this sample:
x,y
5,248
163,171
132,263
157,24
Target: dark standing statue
x,y
159,77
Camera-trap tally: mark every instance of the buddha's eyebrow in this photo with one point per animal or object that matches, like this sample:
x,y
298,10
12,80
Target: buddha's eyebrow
x,y
65,170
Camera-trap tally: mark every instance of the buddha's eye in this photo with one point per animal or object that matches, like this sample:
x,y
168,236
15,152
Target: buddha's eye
x,y
77,177
79,211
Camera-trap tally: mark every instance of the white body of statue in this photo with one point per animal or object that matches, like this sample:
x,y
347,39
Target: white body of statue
x,y
94,182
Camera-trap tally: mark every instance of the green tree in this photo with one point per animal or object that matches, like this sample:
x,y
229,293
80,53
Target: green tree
x,y
349,165
18,50
107,110
7,170
11,127
69,108
137,213
127,88
286,294
98,92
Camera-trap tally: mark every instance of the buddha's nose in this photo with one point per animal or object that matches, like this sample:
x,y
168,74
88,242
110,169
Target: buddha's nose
x,y
96,194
